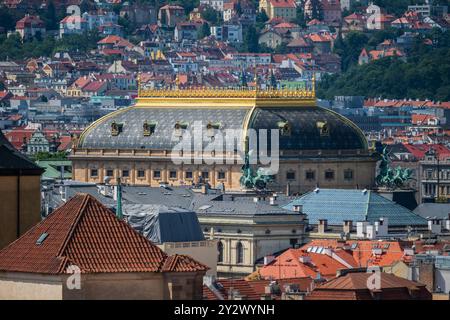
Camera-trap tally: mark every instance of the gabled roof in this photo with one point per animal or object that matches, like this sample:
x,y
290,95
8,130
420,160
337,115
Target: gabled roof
x,y
337,205
85,233
13,162
353,286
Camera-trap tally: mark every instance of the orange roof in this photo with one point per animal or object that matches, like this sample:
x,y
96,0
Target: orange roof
x,y
254,289
353,286
288,265
86,233
363,253
116,40
283,3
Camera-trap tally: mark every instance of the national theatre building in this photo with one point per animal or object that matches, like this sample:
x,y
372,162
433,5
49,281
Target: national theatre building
x,y
317,147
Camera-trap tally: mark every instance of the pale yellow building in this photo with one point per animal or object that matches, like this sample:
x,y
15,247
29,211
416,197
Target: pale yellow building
x,y
285,9
146,144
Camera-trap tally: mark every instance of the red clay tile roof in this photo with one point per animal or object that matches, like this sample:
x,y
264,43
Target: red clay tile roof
x,y
353,286
254,289
86,233
225,285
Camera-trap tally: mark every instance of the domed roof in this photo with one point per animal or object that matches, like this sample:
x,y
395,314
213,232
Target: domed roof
x,y
151,123
310,128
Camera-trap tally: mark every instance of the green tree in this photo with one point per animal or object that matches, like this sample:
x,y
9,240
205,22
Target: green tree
x,y
212,16
251,40
50,17
204,31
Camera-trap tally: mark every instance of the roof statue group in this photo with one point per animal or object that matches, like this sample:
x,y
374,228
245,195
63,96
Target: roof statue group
x,y
254,180
391,178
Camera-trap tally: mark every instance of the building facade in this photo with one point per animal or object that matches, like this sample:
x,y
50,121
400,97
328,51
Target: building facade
x,y
153,142
20,193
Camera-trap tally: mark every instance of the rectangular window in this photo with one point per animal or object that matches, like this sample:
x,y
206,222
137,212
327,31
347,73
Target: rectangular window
x,y
329,175
141,173
109,173
205,174
290,175
310,175
189,174
221,175
125,173
172,174
156,174
94,173
348,175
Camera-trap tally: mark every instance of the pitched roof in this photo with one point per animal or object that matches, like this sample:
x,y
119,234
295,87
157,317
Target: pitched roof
x,y
337,205
362,252
283,3
353,286
12,161
254,289
85,233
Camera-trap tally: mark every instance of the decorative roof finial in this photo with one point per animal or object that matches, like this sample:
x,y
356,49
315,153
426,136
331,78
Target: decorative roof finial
x,y
313,89
177,81
139,84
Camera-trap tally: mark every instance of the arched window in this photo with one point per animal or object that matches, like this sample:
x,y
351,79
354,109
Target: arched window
x,y
239,253
220,251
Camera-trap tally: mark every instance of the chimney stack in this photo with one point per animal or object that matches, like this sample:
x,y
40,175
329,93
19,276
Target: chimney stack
x,y
323,225
288,190
348,225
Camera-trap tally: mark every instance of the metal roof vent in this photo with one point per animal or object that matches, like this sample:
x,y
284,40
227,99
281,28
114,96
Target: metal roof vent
x,y
316,190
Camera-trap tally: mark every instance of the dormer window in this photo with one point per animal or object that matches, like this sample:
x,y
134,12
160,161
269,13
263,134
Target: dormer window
x,y
324,128
149,128
285,128
180,127
211,127
116,128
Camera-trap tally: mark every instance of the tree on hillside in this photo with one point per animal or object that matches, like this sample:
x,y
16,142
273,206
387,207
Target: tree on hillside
x,y
251,40
204,31
212,16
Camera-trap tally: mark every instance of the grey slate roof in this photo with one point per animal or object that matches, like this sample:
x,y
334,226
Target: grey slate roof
x,y
133,119
305,135
438,210
337,205
236,205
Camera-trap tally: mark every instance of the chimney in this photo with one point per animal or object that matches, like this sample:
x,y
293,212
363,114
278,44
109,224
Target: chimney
x,y
272,201
288,190
204,189
348,225
323,225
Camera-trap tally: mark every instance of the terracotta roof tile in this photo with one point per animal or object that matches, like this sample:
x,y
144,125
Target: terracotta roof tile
x,y
86,233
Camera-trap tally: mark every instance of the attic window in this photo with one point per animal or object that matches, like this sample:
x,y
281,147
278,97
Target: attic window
x,y
41,239
324,128
149,128
285,128
116,128
210,127
179,127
